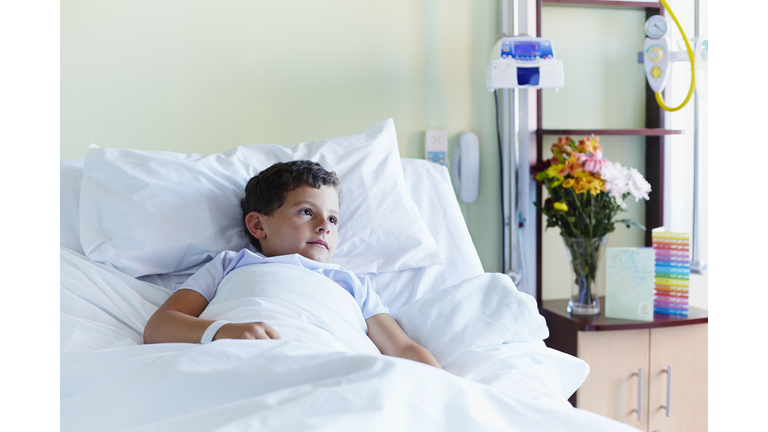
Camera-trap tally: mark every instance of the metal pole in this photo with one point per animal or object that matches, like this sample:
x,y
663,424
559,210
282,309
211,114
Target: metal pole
x,y
509,164
697,266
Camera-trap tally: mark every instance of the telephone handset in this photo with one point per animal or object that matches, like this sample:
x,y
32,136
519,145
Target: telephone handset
x,y
465,167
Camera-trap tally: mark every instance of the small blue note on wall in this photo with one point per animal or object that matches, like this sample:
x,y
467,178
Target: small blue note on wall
x,y
629,283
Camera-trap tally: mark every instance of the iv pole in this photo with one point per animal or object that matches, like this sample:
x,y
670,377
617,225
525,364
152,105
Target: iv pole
x,y
697,266
515,134
508,137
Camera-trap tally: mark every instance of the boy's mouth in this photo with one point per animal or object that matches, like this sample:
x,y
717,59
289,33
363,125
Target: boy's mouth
x,y
319,242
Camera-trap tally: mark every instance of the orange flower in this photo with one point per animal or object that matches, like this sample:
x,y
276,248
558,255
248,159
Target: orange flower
x,y
560,149
589,145
572,165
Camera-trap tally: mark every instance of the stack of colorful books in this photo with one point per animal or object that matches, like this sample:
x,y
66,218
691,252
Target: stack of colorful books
x,y
673,270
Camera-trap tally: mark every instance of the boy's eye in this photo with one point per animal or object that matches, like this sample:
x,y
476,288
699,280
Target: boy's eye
x,y
333,220
307,212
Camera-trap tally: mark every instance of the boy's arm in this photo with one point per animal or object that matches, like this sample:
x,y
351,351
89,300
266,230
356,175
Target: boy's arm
x,y
391,340
177,321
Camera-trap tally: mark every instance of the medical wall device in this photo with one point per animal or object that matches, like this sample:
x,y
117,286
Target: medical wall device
x,y
524,62
518,62
436,146
657,56
465,167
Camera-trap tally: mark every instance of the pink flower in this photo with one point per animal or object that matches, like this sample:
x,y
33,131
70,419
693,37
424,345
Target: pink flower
x,y
594,163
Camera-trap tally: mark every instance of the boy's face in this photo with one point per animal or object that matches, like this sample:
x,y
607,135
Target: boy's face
x,y
307,224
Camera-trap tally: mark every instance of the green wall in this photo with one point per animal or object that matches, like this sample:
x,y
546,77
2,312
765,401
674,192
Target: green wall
x,y
604,89
201,76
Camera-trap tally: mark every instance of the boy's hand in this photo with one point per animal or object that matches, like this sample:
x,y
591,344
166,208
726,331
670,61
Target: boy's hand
x,y
253,330
391,340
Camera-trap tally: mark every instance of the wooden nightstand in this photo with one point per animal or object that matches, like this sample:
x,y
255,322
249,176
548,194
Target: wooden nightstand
x,y
619,352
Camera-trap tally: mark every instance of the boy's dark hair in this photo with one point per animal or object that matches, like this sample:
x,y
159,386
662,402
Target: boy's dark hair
x,y
266,191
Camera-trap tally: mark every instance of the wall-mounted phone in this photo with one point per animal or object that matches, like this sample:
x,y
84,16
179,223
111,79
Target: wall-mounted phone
x,y
465,167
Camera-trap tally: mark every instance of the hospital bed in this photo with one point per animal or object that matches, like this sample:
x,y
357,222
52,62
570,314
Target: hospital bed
x,y
130,233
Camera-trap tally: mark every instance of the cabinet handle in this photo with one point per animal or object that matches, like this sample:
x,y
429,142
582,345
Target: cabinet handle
x,y
668,371
639,409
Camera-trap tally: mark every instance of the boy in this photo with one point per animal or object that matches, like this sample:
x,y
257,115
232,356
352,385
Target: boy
x,y
289,208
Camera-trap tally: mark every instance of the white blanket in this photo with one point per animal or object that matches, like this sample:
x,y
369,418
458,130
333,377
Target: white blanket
x,y
298,303
111,382
481,311
279,385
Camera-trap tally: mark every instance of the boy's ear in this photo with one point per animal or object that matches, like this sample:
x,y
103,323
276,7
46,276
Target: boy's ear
x,y
254,223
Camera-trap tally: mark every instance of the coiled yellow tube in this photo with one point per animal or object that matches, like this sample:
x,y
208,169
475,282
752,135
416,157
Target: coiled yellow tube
x,y
659,97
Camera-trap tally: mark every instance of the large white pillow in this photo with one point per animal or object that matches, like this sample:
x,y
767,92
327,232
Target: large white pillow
x,y
153,212
430,187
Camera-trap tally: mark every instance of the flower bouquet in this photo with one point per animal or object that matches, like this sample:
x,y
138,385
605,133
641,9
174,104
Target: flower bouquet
x,y
586,192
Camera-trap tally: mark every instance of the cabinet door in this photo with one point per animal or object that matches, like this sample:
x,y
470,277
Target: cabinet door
x,y
611,388
685,349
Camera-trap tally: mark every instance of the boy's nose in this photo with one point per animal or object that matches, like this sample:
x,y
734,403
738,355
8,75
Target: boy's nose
x,y
323,226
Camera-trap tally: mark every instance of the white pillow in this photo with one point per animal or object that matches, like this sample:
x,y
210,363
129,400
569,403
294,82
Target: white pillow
x,y
430,188
70,176
152,212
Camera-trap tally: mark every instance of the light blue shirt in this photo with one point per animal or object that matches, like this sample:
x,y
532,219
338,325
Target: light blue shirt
x,y
206,280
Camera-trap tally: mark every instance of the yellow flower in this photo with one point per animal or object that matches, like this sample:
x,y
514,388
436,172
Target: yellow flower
x,y
560,206
581,174
580,186
595,185
568,183
554,171
594,188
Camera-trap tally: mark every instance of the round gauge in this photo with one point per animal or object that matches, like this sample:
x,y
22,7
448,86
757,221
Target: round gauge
x,y
656,27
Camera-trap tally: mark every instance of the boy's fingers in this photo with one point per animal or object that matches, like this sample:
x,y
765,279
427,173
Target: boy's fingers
x,y
271,332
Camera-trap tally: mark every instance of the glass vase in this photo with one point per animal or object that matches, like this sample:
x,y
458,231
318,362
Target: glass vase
x,y
584,255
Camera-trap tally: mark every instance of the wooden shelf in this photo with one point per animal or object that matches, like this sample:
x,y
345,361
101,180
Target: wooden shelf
x,y
599,3
613,132
555,311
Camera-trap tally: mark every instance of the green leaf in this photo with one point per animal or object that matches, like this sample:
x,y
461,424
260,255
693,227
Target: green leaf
x,y
629,222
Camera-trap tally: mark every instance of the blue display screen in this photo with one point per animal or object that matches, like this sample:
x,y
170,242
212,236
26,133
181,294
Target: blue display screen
x,y
527,49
